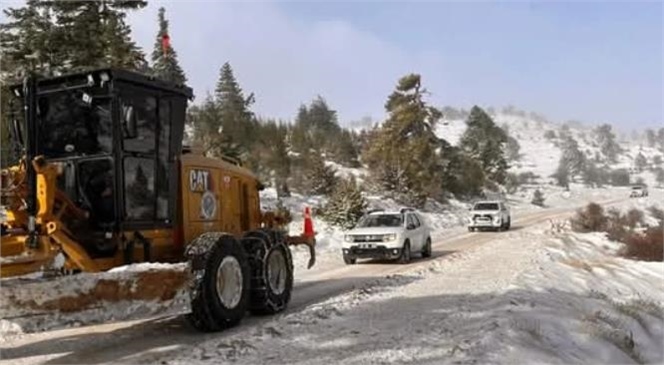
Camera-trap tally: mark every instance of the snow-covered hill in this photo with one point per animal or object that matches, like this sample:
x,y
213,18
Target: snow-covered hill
x,y
540,154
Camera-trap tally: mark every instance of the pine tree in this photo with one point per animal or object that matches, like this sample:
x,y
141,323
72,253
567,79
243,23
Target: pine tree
x,y
346,205
594,176
657,160
209,131
562,174
301,139
27,42
347,149
403,155
485,142
53,37
640,162
96,35
316,128
511,183
512,149
321,178
538,198
269,155
572,157
165,63
651,138
237,119
659,176
660,139
607,143
463,175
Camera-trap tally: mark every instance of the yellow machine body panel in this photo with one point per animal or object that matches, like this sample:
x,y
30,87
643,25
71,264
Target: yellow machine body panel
x,y
217,196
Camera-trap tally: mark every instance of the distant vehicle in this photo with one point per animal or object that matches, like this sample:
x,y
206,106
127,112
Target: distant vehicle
x,y
387,235
638,191
492,215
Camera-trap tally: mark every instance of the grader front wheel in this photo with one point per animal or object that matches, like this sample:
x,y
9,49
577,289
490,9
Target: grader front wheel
x,y
220,282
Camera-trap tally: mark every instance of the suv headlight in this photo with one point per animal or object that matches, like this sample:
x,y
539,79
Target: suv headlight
x,y
496,219
349,238
389,237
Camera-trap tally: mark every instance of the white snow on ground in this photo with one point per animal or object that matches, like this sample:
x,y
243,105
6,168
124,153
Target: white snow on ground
x,y
534,295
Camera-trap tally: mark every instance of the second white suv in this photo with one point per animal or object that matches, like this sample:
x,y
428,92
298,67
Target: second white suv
x,y
638,191
492,215
387,235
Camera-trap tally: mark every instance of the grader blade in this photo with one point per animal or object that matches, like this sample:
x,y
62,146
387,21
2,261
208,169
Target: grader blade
x,y
124,293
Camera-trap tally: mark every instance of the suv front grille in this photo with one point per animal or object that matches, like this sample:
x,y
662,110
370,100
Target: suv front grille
x,y
482,217
368,238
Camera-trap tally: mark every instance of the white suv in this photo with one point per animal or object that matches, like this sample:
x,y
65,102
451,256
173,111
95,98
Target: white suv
x,y
638,191
489,215
387,235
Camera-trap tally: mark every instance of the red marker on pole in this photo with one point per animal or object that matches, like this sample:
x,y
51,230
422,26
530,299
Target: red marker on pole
x,y
165,43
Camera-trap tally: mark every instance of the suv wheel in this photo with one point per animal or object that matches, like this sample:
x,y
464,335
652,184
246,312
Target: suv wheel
x,y
508,225
405,253
426,250
350,260
501,227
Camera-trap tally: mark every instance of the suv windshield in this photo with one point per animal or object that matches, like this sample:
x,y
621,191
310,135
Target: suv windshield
x,y
70,126
637,188
486,206
381,220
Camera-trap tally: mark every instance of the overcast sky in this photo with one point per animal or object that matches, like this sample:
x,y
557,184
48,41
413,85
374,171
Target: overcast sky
x,y
595,62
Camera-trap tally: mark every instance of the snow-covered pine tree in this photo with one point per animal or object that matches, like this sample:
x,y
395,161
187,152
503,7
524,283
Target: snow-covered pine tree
x,y
651,137
165,63
659,176
640,162
562,174
91,34
512,149
572,157
27,43
607,143
346,205
320,178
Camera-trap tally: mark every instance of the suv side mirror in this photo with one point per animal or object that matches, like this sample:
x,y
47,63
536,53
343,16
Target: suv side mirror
x,y
129,124
410,227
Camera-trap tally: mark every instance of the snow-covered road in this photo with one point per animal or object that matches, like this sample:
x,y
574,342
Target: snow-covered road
x,y
331,316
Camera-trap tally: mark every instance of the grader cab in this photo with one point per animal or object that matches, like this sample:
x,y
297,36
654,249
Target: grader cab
x,y
104,181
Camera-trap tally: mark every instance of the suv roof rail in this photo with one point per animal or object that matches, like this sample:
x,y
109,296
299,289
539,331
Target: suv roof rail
x,y
404,210
375,210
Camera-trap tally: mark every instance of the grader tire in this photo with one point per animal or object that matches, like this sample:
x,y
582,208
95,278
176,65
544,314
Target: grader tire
x,y
271,271
220,298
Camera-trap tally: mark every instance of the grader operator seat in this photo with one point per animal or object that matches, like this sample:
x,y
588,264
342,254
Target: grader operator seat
x,y
116,135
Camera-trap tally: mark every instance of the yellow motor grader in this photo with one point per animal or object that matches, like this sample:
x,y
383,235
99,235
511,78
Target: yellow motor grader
x,y
104,181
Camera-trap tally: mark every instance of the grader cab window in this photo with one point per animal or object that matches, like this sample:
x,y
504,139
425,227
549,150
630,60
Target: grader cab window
x,y
96,189
139,122
139,188
73,124
146,127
